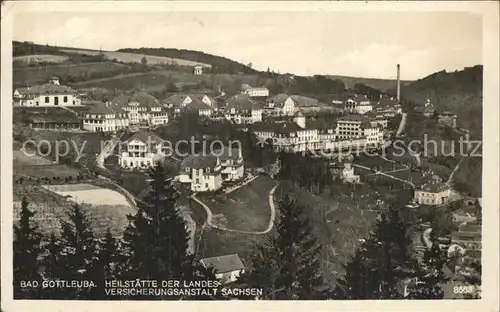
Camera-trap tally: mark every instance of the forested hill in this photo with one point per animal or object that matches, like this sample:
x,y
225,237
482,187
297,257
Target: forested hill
x,y
460,92
219,63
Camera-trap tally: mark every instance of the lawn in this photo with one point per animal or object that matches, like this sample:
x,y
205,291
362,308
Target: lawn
x,y
378,162
136,58
36,58
41,74
246,209
46,171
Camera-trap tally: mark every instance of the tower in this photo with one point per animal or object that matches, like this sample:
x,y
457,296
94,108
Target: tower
x,y
398,85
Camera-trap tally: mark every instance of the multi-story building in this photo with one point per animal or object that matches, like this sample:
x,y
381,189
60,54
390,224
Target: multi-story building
x,y
105,117
202,173
434,193
356,126
281,105
357,104
344,171
144,110
242,109
232,164
51,94
142,150
200,103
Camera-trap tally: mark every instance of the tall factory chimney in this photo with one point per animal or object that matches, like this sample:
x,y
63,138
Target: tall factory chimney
x,y
398,86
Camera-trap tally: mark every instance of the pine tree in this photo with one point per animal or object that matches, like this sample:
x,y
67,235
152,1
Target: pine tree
x,y
287,266
27,251
76,254
157,240
382,264
430,275
109,264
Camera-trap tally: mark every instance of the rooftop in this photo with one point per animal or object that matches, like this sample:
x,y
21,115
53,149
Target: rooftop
x,y
303,101
198,162
143,98
224,264
46,89
145,137
241,102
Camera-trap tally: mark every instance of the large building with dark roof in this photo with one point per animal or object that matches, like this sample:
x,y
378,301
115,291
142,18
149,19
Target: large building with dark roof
x,y
51,94
144,110
242,109
105,117
201,104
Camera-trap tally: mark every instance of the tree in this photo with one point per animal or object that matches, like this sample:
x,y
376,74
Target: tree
x,y
430,275
27,252
144,60
73,255
287,265
157,240
382,264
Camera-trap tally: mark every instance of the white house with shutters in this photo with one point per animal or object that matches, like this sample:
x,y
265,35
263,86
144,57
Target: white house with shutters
x,y
51,94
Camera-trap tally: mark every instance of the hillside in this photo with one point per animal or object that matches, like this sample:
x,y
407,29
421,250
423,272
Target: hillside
x,y
379,84
219,64
460,92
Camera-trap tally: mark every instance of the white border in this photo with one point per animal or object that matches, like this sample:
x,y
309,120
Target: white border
x,y
489,12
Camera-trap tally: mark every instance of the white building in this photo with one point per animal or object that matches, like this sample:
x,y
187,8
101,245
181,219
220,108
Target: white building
x,y
232,164
51,94
202,173
242,109
144,110
142,151
344,171
198,70
357,104
105,117
356,126
434,193
200,103
257,92
281,105
227,268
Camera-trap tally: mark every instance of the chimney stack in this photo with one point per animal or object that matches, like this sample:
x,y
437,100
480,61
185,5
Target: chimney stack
x,y
398,87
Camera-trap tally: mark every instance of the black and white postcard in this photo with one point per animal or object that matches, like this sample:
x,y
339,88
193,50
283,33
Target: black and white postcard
x,y
341,154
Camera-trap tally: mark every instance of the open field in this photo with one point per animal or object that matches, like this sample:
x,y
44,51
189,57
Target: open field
x,y
23,159
378,162
136,58
246,209
40,58
41,74
46,171
88,194
51,208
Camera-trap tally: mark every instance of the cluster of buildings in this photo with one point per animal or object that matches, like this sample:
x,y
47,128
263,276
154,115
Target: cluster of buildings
x,y
300,134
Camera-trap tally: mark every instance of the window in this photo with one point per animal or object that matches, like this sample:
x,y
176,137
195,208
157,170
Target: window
x,y
187,169
65,99
36,103
208,170
74,102
47,99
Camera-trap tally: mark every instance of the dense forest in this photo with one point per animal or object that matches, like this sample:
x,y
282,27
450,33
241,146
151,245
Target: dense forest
x,y
460,92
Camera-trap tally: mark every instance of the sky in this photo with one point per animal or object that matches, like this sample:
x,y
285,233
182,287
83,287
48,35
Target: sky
x,y
360,44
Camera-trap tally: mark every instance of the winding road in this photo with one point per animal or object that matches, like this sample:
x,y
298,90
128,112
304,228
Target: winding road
x,y
210,216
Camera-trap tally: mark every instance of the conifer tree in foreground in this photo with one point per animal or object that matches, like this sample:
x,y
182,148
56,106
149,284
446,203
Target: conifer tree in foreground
x,y
26,252
381,266
156,240
430,275
287,266
73,255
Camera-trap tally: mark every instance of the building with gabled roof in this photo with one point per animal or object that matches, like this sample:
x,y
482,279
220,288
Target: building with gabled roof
x,y
201,172
51,94
143,109
105,117
200,103
232,164
281,105
227,268
242,109
142,150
